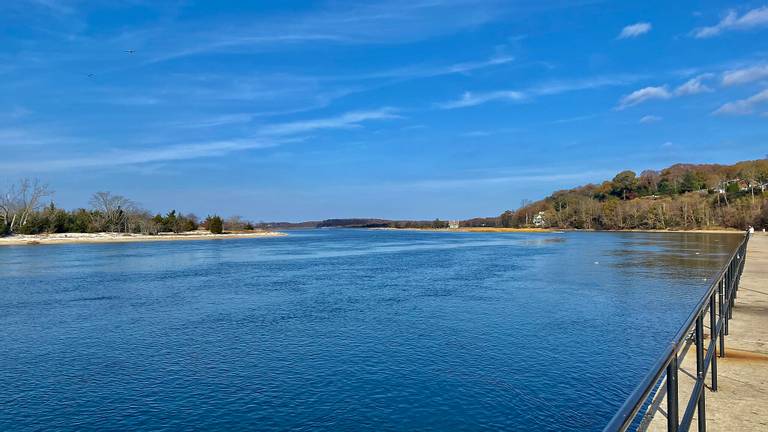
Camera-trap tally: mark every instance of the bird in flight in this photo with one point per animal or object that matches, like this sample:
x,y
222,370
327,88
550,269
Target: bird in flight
x,y
131,51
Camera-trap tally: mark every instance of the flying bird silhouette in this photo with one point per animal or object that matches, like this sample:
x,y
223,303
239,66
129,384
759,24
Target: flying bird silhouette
x,y
131,51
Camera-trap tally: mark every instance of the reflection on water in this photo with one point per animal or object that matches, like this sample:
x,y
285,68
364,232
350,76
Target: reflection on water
x,y
342,329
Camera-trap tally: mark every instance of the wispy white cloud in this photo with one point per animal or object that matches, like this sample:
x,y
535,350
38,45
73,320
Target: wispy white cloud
x,y
574,119
745,75
134,100
222,44
488,132
469,99
24,137
56,6
142,156
526,178
265,137
649,119
694,86
635,30
643,95
743,106
733,21
344,121
423,71
338,22
691,87
564,86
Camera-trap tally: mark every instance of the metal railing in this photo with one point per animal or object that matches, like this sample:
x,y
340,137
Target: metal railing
x,y
663,378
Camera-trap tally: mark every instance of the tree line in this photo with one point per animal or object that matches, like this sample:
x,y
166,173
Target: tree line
x,y
26,208
683,196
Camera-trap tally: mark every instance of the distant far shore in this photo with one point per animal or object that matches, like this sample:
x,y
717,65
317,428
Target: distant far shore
x,y
475,229
75,238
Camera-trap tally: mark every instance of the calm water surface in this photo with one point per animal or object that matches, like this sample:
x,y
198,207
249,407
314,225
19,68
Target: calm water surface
x,y
342,330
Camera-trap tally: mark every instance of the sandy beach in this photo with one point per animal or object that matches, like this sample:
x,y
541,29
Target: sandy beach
x,y
72,238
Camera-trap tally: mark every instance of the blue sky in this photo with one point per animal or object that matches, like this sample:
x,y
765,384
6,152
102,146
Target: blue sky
x,y
404,109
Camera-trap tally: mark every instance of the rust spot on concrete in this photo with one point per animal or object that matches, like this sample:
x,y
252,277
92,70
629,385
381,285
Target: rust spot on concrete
x,y
734,354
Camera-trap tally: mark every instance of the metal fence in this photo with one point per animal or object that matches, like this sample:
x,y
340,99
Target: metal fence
x,y
638,410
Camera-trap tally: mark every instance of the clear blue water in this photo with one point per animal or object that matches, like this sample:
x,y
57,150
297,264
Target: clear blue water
x,y
342,330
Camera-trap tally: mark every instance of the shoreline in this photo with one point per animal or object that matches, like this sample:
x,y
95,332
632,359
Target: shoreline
x,y
475,229
562,230
97,238
691,231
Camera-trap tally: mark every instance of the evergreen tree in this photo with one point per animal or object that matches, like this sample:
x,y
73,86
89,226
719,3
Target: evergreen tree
x,y
215,224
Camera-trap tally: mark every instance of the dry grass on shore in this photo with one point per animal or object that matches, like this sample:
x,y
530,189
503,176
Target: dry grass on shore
x,y
504,230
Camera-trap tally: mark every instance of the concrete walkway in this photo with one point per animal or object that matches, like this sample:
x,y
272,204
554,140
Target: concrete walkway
x,y
741,402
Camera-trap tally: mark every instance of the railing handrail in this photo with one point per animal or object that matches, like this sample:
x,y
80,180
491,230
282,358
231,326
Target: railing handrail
x,y
634,402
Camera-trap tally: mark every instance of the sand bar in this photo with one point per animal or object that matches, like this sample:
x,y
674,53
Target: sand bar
x,y
73,238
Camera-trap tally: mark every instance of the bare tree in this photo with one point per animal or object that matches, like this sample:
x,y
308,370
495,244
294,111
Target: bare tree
x,y
113,212
234,223
141,221
20,201
524,203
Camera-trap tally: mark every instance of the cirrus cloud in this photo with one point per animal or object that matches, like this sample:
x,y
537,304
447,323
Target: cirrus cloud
x,y
649,119
469,99
635,30
694,86
642,95
746,75
347,120
733,21
743,106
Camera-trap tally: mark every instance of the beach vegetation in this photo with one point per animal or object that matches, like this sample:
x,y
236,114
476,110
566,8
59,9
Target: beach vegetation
x,y
214,224
24,210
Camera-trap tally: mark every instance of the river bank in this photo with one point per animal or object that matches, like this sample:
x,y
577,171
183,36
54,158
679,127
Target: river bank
x,y
75,238
556,230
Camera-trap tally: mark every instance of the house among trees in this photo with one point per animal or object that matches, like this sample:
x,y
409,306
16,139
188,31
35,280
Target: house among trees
x,y
453,224
539,221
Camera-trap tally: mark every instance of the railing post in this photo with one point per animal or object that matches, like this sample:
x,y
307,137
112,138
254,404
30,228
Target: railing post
x,y
735,277
700,370
731,289
713,333
726,292
720,288
672,410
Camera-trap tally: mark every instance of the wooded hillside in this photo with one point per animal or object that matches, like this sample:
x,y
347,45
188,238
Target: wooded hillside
x,y
683,196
